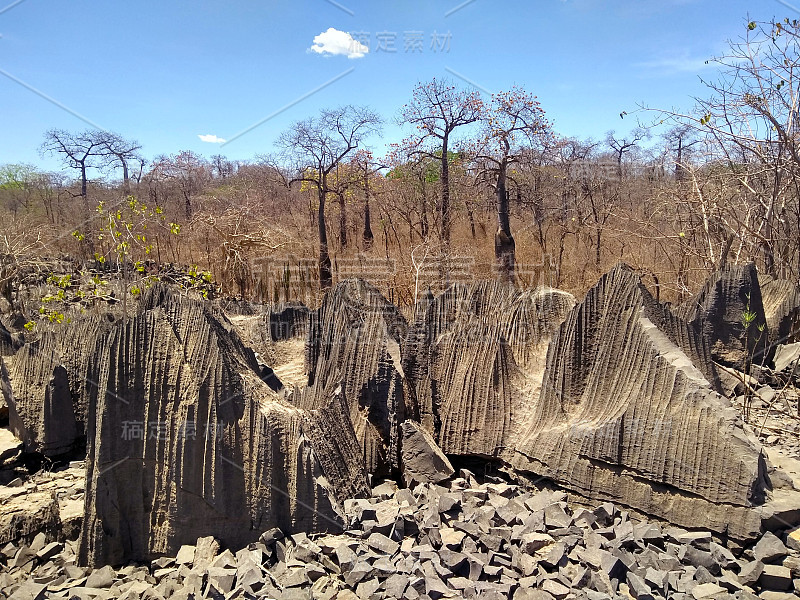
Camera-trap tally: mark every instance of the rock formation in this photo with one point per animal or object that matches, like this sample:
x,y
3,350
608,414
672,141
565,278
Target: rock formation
x,y
720,310
627,412
47,388
473,359
185,440
781,299
353,342
191,433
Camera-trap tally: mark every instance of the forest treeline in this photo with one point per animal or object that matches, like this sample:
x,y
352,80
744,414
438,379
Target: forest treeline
x,y
482,187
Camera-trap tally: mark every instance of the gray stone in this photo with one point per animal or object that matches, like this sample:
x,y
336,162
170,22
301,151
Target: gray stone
x,y
380,542
707,590
531,542
773,595
655,578
701,558
185,555
49,551
206,550
701,539
750,572
552,555
271,536
786,355
637,586
776,577
555,516
101,578
421,457
769,548
723,557
702,575
555,589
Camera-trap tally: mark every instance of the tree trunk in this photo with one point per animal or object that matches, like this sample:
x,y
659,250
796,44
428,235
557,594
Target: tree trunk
x,y
504,246
342,221
598,235
471,217
126,184
445,207
424,226
325,276
367,237
87,210
83,186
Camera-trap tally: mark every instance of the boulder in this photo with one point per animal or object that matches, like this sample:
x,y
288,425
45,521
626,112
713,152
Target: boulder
x,y
422,459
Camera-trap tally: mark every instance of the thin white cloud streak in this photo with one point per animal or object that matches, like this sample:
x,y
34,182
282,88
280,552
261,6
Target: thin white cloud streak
x,y
668,65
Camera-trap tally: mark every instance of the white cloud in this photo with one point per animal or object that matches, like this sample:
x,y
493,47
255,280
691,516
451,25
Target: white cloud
x,y
333,42
211,138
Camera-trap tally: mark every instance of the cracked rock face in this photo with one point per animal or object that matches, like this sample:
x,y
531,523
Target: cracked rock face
x,y
626,412
186,440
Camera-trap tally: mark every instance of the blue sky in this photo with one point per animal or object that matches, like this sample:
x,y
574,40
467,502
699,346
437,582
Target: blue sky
x,y
166,72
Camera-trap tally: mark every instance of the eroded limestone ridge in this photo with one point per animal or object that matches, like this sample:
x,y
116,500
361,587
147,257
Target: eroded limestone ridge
x,y
472,358
353,343
628,411
781,298
47,389
720,309
185,439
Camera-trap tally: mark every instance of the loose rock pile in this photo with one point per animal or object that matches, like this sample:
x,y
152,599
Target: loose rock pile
x,y
458,539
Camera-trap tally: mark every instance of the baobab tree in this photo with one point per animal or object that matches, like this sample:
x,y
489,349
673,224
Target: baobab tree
x,y
121,152
367,168
623,145
191,172
514,119
437,109
315,147
89,149
679,140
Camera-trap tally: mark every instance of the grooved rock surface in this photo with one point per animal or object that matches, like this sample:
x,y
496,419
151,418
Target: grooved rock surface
x,y
719,309
781,299
474,357
354,343
624,413
186,440
288,320
40,410
47,387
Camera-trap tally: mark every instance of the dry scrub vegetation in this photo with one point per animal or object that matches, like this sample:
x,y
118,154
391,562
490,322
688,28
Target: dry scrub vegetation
x,y
675,197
